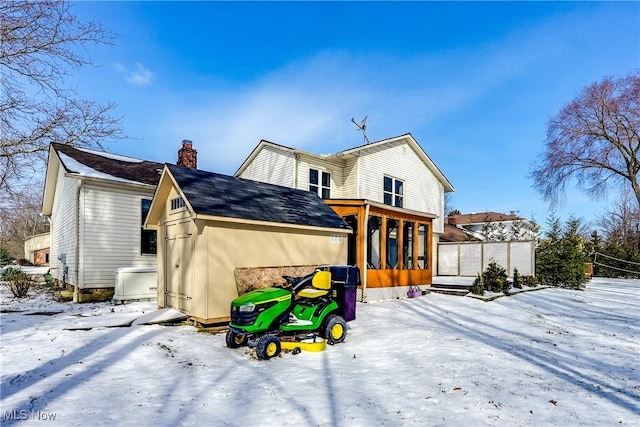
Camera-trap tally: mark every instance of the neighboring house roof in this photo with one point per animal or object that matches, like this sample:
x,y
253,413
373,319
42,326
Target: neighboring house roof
x,y
92,164
455,234
356,151
482,217
474,224
216,195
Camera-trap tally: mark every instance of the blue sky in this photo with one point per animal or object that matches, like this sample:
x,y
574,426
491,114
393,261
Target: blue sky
x,y
474,82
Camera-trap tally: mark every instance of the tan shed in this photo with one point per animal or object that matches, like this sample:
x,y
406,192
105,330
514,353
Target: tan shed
x,y
210,224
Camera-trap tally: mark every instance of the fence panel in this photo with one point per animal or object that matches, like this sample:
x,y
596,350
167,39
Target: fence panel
x,y
471,258
447,260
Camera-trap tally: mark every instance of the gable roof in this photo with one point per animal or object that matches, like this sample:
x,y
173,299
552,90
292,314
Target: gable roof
x,y
409,139
217,195
355,151
263,143
96,165
112,167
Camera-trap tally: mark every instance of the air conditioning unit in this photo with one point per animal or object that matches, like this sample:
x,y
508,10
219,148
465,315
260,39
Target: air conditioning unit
x,y
135,284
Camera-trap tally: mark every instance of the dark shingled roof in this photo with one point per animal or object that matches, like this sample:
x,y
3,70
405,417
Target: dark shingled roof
x,y
227,196
144,172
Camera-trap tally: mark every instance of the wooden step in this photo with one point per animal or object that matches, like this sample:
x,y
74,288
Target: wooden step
x,y
450,289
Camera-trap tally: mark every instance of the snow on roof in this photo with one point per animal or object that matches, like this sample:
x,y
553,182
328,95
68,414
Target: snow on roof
x,y
111,156
74,166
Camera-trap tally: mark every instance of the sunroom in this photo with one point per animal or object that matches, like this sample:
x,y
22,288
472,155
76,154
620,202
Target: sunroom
x,y
390,245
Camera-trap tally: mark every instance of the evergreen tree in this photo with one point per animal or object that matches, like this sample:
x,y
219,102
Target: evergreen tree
x,y
495,277
561,257
5,256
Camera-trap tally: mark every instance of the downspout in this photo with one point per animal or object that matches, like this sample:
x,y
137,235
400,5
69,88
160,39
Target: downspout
x,y
358,178
365,250
76,289
296,156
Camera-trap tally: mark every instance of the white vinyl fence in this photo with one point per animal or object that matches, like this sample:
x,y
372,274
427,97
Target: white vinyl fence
x,y
471,258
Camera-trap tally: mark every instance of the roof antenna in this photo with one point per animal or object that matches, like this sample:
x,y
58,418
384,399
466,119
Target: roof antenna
x,y
363,127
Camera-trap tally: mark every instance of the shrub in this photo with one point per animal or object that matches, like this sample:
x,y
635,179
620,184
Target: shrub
x,y
506,285
478,287
17,281
516,279
495,277
529,281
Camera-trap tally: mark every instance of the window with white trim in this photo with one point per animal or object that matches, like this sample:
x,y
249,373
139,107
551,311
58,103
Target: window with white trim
x,y
393,190
320,183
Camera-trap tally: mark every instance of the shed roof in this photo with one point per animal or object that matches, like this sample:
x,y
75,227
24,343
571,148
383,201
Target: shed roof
x,y
214,194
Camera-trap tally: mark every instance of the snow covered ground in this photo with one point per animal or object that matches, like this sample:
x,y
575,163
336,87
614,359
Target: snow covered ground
x,y
550,357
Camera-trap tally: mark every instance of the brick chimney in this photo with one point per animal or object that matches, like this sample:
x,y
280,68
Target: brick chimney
x,y
187,156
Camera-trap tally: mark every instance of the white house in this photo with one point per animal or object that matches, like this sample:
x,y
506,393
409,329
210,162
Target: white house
x,y
97,203
389,191
495,226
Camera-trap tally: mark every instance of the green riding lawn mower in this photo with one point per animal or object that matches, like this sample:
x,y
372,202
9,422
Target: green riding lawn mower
x,y
306,311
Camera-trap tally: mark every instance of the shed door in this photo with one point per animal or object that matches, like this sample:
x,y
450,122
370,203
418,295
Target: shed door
x,y
178,247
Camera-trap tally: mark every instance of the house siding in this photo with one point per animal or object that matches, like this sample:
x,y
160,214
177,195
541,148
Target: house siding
x,y
306,162
110,232
63,226
422,190
350,179
272,165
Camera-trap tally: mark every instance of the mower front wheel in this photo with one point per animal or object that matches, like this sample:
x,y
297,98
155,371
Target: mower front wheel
x,y
268,347
335,329
235,340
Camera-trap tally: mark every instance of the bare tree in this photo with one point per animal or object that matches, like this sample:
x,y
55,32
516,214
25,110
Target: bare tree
x,y
620,224
19,219
594,140
448,204
41,42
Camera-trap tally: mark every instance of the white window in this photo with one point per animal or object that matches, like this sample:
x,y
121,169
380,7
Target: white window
x,y
393,190
320,183
177,203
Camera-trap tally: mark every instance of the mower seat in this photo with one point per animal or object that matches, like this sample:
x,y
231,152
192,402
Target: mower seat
x,y
321,285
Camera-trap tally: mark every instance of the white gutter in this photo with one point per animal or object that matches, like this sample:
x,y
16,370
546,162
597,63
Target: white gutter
x,y
357,177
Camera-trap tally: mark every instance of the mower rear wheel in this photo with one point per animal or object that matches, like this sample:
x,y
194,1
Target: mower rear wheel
x,y
268,347
235,340
335,329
